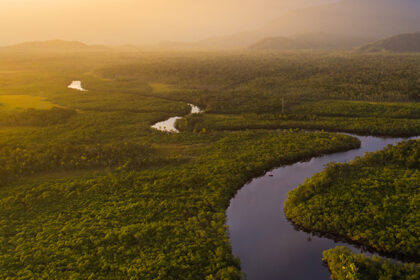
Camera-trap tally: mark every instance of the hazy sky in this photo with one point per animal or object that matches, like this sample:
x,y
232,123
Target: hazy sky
x,y
135,21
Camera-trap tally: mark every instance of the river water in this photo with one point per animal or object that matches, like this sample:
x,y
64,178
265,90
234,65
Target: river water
x,y
77,85
268,245
169,124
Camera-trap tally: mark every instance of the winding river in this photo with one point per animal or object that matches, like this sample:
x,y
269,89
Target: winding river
x,y
169,124
267,244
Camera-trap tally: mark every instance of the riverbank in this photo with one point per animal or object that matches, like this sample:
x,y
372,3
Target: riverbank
x,y
370,201
169,125
377,126
344,264
267,244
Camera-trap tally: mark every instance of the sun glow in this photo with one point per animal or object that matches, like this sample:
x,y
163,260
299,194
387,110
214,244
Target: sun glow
x,y
134,21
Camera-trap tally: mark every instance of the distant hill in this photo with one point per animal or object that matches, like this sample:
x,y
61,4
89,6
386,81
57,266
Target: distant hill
x,y
311,41
409,42
234,41
53,46
280,43
357,18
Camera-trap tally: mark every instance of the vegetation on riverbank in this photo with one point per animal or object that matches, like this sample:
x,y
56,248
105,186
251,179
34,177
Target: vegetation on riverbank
x,y
372,201
363,126
34,117
163,223
90,190
345,265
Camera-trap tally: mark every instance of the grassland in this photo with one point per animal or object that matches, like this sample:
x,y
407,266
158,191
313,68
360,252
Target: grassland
x,y
20,102
90,191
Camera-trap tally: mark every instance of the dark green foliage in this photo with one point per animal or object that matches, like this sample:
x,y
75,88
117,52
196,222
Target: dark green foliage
x,y
365,126
98,194
20,161
128,102
345,265
34,117
164,223
256,82
373,201
335,108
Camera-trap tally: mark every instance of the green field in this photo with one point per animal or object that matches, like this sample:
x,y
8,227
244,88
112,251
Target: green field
x,y
88,190
19,102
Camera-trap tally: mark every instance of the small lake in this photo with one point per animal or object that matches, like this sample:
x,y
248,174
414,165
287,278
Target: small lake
x,y
77,85
169,124
267,244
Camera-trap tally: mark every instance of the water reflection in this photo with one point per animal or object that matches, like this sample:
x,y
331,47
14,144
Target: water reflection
x,y
267,244
194,109
77,85
169,124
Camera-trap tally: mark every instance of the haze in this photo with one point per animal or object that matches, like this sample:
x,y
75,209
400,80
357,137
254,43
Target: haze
x,y
136,21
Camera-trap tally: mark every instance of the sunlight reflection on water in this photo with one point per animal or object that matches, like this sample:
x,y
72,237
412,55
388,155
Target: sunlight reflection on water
x,y
169,124
77,85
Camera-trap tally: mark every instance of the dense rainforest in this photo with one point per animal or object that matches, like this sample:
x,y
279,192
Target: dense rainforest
x,y
364,94
344,264
89,190
372,201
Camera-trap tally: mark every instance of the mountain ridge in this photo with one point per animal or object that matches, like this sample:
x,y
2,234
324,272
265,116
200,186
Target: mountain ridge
x,y
53,46
407,42
376,19
311,41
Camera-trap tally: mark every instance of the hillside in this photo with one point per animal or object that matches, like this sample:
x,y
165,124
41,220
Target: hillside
x,y
409,42
358,18
310,41
53,46
280,43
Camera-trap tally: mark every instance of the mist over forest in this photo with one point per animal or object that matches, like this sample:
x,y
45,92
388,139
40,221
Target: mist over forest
x,y
221,24
210,140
